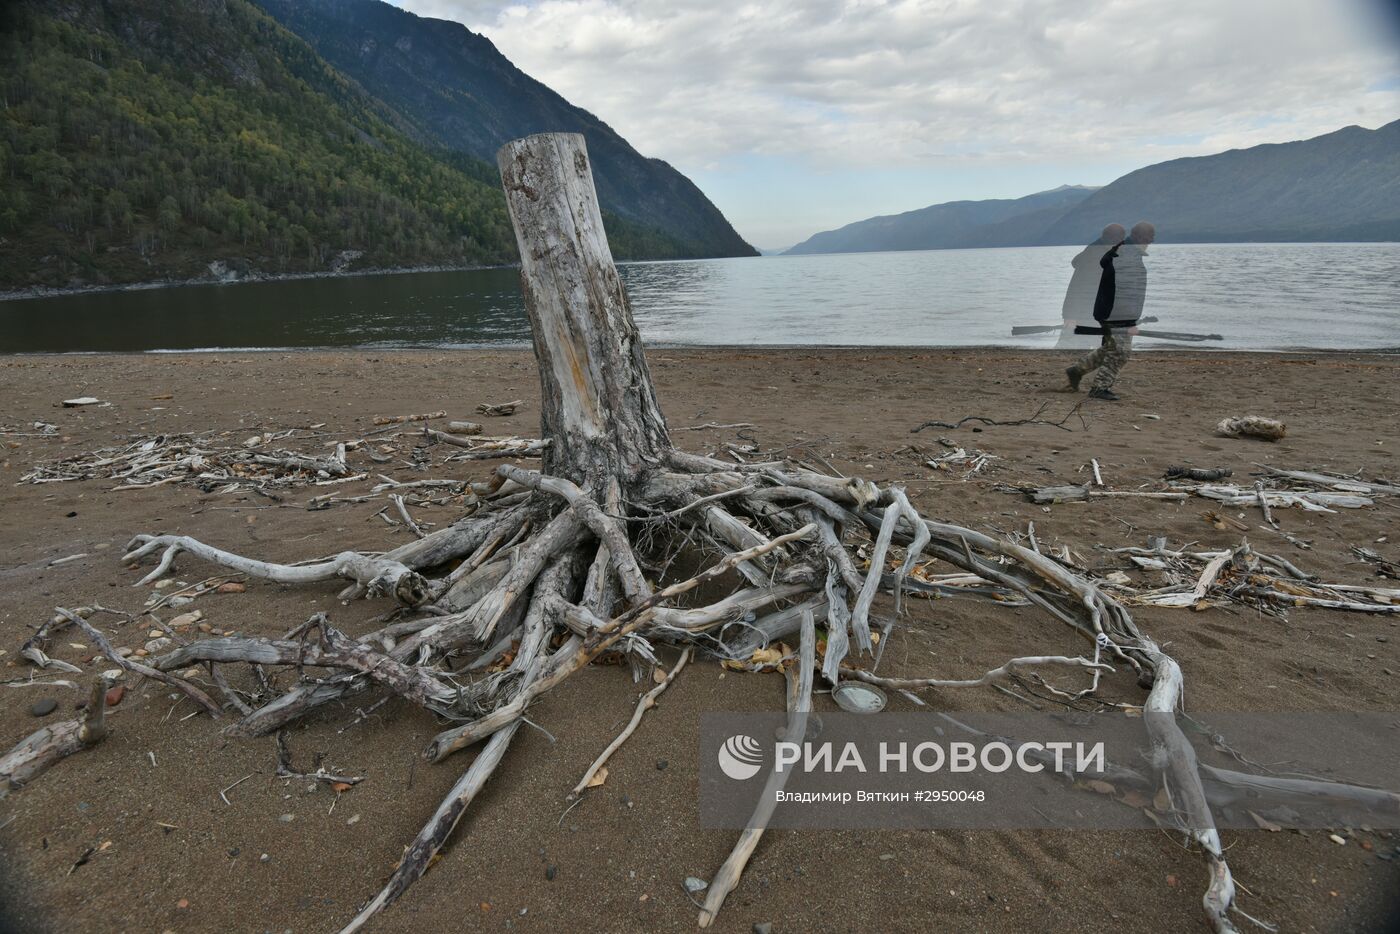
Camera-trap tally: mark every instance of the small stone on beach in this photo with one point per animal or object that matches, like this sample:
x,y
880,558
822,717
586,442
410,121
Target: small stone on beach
x,y
44,707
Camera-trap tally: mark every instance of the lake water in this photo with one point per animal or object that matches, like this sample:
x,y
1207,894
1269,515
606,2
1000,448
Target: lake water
x,y
1258,296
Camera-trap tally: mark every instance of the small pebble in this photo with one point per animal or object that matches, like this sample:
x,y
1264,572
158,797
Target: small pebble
x,y
549,873
693,884
1336,839
287,818
115,695
766,927
353,820
44,707
233,852
264,858
661,764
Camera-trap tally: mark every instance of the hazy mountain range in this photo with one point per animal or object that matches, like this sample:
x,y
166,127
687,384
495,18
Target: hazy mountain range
x,y
1342,186
146,139
956,224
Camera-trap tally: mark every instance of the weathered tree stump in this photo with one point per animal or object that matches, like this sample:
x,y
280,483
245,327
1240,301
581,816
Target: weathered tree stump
x,y
547,562
598,405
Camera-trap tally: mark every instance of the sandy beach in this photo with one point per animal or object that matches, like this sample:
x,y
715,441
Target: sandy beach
x,y
134,834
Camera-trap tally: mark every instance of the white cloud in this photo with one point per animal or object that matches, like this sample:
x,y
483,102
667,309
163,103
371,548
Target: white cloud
x,y
849,88
850,83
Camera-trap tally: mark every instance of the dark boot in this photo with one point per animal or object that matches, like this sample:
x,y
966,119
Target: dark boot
x,y
1106,395
1075,374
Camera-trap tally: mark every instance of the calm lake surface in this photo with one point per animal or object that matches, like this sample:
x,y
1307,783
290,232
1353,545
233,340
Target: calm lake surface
x,y
1258,296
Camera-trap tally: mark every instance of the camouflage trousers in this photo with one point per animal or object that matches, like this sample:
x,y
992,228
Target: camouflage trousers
x,y
1108,358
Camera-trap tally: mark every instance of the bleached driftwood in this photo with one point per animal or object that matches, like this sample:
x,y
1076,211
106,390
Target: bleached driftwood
x,y
46,746
551,562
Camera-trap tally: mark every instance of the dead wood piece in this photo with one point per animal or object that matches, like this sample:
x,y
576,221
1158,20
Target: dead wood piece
x,y
374,575
180,684
1308,500
1078,494
1178,771
401,419
1202,474
1331,481
1034,419
1251,426
800,705
499,408
1000,673
419,854
647,702
46,746
285,769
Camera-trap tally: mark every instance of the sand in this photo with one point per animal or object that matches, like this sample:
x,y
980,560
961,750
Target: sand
x,y
171,855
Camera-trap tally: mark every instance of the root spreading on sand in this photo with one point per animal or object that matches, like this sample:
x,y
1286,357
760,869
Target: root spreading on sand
x,y
556,567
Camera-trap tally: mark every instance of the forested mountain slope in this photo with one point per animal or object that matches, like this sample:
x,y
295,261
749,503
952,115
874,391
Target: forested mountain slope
x,y
143,140
456,90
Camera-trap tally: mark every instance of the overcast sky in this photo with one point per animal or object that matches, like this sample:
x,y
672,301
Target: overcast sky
x,y
796,116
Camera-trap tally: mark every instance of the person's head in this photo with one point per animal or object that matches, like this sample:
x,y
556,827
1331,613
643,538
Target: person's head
x,y
1144,233
1113,233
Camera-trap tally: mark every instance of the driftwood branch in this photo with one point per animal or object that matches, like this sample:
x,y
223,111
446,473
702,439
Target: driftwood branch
x,y
47,746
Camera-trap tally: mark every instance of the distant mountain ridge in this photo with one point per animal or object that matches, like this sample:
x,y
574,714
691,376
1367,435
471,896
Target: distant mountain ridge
x,y
1341,186
453,89
953,225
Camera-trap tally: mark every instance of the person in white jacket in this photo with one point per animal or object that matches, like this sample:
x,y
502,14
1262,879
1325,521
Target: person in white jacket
x,y
1078,307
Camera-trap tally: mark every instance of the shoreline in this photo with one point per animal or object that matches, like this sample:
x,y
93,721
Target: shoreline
x,y
652,346
40,291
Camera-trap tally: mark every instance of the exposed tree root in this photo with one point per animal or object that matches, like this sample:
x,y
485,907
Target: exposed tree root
x,y
573,577
577,559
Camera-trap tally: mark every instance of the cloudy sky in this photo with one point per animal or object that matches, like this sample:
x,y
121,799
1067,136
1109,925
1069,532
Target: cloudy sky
x,y
796,116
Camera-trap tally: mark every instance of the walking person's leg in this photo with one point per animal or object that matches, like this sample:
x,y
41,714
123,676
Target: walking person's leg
x,y
1090,361
1117,348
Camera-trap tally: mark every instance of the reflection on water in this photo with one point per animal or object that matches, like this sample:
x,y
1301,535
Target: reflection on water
x,y
1259,296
